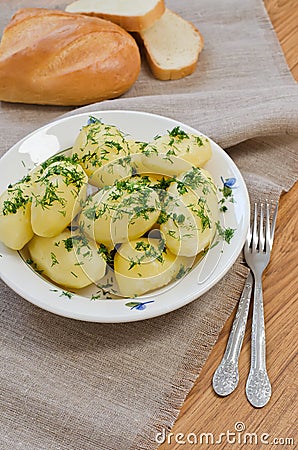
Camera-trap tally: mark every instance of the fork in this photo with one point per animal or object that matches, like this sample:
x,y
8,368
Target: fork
x,y
257,251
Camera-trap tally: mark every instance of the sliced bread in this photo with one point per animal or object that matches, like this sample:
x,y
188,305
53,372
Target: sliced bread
x,y
172,46
132,15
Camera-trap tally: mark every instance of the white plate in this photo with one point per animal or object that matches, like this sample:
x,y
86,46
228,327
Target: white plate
x,y
56,136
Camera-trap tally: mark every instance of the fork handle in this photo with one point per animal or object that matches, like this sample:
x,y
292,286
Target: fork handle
x,y
226,376
258,387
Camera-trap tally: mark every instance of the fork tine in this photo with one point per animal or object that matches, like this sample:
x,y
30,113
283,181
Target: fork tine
x,y
255,229
273,224
248,239
261,229
269,238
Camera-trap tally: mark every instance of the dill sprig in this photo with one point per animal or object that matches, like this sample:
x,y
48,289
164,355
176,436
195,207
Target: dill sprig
x,y
199,209
54,259
77,242
107,255
225,233
178,133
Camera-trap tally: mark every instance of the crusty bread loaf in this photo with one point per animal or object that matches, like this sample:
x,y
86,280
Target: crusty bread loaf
x,y
132,15
57,58
172,46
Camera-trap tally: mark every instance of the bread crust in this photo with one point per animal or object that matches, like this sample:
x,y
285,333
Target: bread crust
x,y
56,58
170,74
133,23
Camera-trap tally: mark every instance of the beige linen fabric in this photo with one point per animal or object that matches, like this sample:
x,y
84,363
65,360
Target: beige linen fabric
x,y
73,385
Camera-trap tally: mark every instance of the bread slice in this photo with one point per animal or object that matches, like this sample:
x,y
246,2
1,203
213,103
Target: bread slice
x,y
172,46
132,15
51,57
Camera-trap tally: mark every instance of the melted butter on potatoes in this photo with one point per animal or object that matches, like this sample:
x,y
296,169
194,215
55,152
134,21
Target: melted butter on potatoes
x,y
69,259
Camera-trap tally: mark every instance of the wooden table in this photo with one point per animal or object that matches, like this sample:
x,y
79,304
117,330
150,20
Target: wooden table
x,y
203,411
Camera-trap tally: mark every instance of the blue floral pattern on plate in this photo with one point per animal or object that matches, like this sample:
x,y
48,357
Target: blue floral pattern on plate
x,y
140,306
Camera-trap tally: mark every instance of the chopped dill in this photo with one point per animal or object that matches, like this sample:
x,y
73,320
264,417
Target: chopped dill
x,y
178,219
50,196
199,141
182,271
227,193
34,265
178,133
163,217
79,242
54,259
59,158
225,233
148,251
114,144
17,201
200,210
68,243
66,294
107,255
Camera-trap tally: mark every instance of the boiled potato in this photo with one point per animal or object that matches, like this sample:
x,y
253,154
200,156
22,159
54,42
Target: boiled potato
x,y
120,213
163,165
136,149
15,214
145,264
57,196
160,185
191,213
97,144
118,169
157,182
122,169
176,152
69,259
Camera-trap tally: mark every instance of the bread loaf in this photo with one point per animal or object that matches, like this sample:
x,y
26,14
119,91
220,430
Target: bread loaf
x,y
132,15
57,58
172,46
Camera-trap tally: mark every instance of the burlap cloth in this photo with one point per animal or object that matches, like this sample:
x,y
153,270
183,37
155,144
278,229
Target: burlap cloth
x,y
72,385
